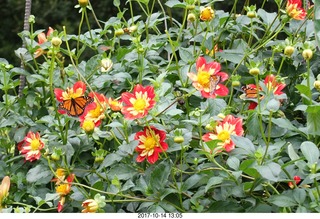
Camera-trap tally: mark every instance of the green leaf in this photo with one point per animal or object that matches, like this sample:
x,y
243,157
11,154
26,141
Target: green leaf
x,y
186,54
243,143
232,55
122,171
313,118
284,123
310,152
252,124
175,4
159,175
304,90
299,195
40,174
191,181
233,163
282,201
292,154
216,180
270,171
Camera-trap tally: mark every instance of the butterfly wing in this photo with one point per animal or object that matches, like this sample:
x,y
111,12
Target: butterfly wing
x,y
250,92
214,81
75,106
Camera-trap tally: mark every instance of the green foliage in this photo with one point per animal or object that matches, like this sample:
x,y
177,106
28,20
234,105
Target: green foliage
x,y
244,149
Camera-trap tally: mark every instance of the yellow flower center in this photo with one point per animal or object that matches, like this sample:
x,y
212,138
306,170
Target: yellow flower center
x,y
63,189
223,135
35,144
204,78
95,113
150,143
88,125
60,172
139,104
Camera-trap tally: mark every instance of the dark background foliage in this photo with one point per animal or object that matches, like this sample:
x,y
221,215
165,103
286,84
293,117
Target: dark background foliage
x,y
58,13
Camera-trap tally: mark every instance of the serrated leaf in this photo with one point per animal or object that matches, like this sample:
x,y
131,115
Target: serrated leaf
x,y
310,151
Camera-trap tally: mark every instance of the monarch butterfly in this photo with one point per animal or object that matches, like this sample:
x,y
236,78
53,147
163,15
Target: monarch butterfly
x,y
250,91
214,81
75,106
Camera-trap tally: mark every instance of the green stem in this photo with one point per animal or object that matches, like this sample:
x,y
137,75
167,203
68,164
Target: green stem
x,y
280,67
269,136
308,82
79,29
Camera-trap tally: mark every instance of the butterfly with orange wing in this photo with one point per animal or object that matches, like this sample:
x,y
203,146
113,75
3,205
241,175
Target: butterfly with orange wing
x,y
214,81
75,106
250,91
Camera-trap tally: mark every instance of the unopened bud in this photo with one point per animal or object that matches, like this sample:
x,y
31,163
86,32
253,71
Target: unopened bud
x,y
83,3
56,41
288,51
307,54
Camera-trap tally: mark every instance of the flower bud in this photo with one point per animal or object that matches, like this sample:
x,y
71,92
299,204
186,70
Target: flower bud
x,y
190,7
273,105
254,71
191,17
56,41
32,19
83,3
133,28
178,139
235,83
307,54
106,65
90,206
251,14
119,32
4,188
316,85
55,156
288,50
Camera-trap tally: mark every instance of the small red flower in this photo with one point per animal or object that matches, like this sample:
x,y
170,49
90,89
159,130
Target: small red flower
x,y
151,143
31,146
296,179
138,103
294,9
208,79
223,131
